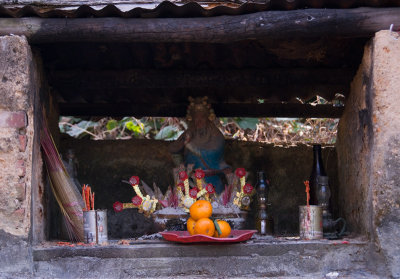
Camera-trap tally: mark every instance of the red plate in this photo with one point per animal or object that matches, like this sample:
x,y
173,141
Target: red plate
x,y
185,237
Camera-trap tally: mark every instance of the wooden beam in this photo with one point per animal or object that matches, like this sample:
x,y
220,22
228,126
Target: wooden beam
x,y
306,23
230,86
227,94
221,110
199,78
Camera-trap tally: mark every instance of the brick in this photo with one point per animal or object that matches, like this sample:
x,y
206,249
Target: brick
x,y
20,187
20,166
20,212
13,119
22,142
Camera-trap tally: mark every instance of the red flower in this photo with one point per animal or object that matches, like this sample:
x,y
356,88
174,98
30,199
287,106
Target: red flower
x,y
118,206
199,174
134,180
240,172
136,200
183,175
181,185
210,188
247,188
193,193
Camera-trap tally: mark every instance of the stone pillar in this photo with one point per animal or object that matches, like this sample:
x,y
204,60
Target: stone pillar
x,y
369,150
16,144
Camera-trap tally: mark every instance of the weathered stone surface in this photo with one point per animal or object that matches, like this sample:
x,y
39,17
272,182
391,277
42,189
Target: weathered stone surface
x,y
16,133
369,149
15,73
354,143
157,259
14,254
22,142
9,119
385,182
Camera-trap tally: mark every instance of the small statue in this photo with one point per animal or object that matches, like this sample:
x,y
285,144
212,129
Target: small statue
x,y
71,166
203,143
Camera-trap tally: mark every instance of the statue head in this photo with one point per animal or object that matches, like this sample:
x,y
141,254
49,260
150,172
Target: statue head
x,y
199,112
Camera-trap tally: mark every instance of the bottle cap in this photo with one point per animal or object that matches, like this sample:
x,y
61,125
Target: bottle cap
x,y
261,175
316,146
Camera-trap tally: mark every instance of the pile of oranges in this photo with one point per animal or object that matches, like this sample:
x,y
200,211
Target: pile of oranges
x,y
200,222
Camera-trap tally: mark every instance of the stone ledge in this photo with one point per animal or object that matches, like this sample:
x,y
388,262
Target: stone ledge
x,y
148,249
158,258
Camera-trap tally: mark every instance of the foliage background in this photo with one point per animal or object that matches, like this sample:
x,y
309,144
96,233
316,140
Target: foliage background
x,y
268,130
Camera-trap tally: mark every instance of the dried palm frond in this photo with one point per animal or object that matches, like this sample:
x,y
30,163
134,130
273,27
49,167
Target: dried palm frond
x,y
65,191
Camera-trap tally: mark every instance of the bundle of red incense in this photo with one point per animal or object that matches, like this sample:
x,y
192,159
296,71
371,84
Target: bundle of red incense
x,y
88,197
307,183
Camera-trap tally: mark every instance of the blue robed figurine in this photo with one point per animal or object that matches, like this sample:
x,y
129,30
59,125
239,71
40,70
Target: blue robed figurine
x,y
203,143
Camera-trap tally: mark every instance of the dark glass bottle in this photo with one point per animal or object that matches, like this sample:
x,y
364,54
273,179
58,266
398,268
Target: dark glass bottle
x,y
263,220
317,170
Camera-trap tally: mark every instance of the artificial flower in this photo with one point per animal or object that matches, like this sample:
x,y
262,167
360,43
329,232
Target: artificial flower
x,y
199,174
240,172
136,200
183,175
247,188
193,193
134,180
210,188
118,206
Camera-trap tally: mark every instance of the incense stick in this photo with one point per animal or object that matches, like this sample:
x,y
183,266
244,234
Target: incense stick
x,y
63,188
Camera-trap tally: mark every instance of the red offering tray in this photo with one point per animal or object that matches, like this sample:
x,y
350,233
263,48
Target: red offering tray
x,y
185,237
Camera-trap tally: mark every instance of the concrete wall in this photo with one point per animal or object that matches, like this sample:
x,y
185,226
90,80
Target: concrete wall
x,y
369,150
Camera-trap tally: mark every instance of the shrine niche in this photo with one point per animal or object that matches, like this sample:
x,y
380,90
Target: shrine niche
x,y
158,79
92,72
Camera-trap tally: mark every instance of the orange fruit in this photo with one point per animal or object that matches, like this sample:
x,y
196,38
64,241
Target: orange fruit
x,y
200,209
190,225
224,227
204,226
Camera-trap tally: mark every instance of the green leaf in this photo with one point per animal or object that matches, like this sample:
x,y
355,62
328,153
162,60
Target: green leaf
x,y
62,128
168,133
247,123
224,120
134,128
217,227
111,124
80,129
